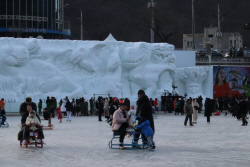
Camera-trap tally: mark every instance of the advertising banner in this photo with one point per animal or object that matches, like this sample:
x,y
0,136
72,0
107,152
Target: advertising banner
x,y
231,81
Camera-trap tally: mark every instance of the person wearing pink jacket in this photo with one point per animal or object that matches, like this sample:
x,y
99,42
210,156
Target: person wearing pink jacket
x,y
121,121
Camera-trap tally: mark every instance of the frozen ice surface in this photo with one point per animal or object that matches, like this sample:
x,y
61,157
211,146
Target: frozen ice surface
x,y
84,141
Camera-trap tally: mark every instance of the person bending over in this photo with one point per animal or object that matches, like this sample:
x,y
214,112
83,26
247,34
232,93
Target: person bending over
x,y
121,122
146,131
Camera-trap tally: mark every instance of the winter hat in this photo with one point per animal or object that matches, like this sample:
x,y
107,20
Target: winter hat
x,y
141,92
28,99
32,112
115,99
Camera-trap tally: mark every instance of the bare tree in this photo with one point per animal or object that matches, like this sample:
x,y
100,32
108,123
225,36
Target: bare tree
x,y
167,21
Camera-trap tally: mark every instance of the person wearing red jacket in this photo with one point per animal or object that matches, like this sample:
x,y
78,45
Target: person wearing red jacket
x,y
2,103
156,104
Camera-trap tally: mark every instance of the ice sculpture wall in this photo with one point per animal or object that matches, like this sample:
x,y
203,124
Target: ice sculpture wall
x,y
41,68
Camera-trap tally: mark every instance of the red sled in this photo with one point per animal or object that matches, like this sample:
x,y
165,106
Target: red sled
x,y
217,113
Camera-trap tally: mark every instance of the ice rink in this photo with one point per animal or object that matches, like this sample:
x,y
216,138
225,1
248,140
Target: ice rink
x,y
83,142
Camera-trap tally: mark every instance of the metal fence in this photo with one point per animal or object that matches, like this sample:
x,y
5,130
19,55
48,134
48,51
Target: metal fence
x,y
223,61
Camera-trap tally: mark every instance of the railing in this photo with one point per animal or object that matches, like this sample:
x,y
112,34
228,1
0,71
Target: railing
x,y
223,61
13,107
19,17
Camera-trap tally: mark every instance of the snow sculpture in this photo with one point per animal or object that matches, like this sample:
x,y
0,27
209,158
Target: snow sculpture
x,y
163,54
33,77
144,68
40,68
193,77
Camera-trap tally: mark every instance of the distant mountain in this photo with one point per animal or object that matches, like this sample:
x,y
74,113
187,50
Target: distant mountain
x,y
129,20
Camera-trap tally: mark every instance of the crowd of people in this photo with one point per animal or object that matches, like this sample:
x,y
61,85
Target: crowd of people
x,y
239,107
114,109
119,113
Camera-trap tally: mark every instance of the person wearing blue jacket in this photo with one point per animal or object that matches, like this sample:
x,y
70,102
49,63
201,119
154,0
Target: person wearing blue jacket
x,y
147,131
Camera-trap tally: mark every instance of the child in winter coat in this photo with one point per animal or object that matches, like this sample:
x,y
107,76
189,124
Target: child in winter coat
x,y
34,122
3,115
146,131
59,114
132,111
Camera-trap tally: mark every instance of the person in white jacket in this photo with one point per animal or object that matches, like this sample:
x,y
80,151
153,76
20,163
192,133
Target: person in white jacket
x,y
63,108
195,106
33,121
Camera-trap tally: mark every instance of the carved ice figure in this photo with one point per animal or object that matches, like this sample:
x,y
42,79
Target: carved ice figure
x,y
33,47
40,68
87,57
12,58
163,54
193,77
143,74
52,80
53,51
33,76
107,76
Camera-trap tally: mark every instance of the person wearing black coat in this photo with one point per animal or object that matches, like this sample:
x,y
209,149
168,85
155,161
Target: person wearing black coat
x,y
100,108
243,111
144,109
48,102
170,105
3,115
221,104
77,107
248,105
182,103
69,108
127,102
208,109
23,106
40,106
112,108
24,126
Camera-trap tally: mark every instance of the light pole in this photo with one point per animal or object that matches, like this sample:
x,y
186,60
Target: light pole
x,y
193,23
59,17
151,5
81,26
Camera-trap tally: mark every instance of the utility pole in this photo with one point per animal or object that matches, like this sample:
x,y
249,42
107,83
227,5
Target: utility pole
x,y
219,34
151,5
60,17
81,26
193,23
218,17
